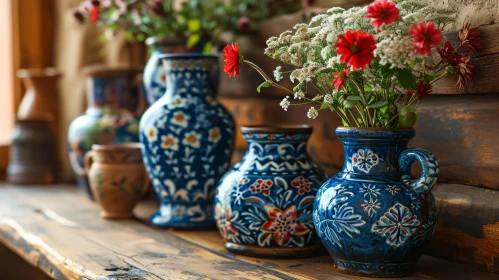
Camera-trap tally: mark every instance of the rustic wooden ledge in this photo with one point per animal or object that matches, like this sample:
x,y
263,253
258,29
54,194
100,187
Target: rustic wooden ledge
x,y
58,230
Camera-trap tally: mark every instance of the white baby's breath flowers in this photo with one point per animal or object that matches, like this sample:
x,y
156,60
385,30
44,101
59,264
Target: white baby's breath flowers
x,y
278,74
285,103
329,99
395,50
312,113
299,95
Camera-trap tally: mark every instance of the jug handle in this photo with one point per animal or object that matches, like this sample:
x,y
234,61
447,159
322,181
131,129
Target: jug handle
x,y
429,164
88,161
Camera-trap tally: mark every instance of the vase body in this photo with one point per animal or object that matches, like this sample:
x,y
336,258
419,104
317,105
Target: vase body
x,y
187,141
117,177
154,72
373,217
263,205
32,159
115,105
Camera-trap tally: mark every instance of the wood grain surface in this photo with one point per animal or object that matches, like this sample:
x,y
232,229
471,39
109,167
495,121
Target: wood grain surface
x,y
58,230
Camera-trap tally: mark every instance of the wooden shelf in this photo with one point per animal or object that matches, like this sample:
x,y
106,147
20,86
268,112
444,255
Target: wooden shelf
x,y
58,230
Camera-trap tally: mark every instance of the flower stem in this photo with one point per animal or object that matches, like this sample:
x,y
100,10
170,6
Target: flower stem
x,y
261,72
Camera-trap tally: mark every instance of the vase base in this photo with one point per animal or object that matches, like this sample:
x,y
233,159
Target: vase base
x,y
376,270
109,215
259,252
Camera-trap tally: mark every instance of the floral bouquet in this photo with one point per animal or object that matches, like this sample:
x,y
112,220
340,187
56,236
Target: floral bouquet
x,y
370,65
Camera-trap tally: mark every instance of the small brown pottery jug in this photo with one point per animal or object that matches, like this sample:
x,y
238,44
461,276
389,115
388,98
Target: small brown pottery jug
x,y
117,178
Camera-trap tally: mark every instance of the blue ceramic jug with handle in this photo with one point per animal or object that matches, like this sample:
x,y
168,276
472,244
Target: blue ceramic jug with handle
x,y
374,217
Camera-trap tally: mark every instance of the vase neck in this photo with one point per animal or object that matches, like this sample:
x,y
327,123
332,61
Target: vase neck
x,y
191,75
371,154
114,93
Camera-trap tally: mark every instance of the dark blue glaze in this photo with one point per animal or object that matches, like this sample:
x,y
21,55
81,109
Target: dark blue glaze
x,y
115,105
373,216
266,200
188,140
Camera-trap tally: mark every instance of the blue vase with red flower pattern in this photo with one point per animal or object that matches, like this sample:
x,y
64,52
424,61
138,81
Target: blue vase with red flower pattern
x,y
374,217
263,205
187,138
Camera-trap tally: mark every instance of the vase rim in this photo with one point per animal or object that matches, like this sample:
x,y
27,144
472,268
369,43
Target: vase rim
x,y
174,40
375,132
110,71
113,147
188,56
285,129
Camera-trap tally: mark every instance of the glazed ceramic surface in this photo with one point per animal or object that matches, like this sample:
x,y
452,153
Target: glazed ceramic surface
x,y
117,177
263,205
188,140
374,217
154,72
115,105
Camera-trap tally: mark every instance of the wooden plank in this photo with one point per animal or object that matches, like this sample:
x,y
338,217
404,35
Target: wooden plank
x,y
468,226
58,230
461,130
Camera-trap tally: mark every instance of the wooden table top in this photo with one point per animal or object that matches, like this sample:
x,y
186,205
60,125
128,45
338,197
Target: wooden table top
x,y
58,230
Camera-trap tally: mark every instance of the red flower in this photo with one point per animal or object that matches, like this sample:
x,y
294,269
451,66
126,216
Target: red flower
x,y
469,39
282,224
261,186
302,184
243,23
231,59
340,78
356,48
463,69
382,12
447,52
94,12
422,89
425,36
224,221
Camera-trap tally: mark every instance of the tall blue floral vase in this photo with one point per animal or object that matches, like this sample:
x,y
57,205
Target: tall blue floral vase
x,y
187,141
263,205
374,217
115,101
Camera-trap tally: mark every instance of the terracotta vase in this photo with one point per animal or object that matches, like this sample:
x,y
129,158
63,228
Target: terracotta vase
x,y
32,159
115,105
117,177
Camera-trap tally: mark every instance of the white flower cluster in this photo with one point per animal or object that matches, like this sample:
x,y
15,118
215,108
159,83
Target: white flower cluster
x,y
395,50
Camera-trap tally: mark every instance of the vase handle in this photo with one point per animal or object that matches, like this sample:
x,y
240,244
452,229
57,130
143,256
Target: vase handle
x,y
88,160
422,185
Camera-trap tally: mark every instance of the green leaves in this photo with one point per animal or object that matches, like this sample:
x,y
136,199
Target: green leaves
x,y
406,79
378,105
264,84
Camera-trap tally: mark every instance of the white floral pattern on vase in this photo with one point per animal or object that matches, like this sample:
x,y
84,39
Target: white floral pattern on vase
x,y
188,139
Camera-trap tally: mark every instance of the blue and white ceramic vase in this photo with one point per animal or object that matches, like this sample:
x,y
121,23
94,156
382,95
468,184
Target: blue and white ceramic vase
x,y
154,72
188,141
374,217
115,101
263,205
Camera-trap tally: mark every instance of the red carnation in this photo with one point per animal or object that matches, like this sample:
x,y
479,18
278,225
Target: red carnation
x,y
464,69
356,48
425,36
382,12
94,12
422,89
340,78
231,59
469,39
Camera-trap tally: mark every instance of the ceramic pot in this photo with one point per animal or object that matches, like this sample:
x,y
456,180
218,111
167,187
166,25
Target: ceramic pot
x,y
188,140
32,154
115,105
117,177
154,72
263,205
374,217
